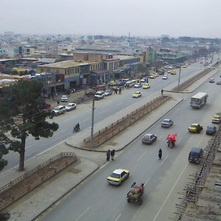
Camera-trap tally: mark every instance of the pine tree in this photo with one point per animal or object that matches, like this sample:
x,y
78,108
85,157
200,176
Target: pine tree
x,y
22,113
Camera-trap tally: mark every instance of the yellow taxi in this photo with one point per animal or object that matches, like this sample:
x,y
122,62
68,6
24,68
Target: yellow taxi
x,y
118,176
216,119
137,94
146,86
112,83
173,73
195,128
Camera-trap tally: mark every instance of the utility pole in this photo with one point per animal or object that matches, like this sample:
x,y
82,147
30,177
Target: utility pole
x,y
92,121
179,76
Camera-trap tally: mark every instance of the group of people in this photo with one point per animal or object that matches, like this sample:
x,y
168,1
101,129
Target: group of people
x,y
110,154
117,90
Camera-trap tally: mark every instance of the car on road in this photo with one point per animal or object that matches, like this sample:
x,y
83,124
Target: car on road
x,y
195,155
120,83
107,93
146,85
137,94
118,176
137,85
64,98
70,106
152,76
211,80
161,72
143,80
210,130
216,119
195,128
99,95
59,110
149,138
218,82
112,83
165,77
166,123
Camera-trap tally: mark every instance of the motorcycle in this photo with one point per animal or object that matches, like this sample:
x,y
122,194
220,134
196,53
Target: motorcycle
x,y
76,128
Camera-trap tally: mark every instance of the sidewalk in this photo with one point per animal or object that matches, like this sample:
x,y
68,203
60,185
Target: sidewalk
x,y
52,190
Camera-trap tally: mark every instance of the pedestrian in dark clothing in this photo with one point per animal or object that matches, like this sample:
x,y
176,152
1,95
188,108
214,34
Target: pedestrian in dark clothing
x,y
160,154
162,92
108,155
119,90
112,154
58,102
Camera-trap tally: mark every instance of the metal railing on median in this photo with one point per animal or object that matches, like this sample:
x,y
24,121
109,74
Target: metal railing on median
x,y
7,198
108,132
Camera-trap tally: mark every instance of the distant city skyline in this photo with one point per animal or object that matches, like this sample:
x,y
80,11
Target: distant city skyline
x,y
141,18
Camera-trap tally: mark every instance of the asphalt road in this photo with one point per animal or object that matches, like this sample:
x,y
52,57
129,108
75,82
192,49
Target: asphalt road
x,y
96,200
104,108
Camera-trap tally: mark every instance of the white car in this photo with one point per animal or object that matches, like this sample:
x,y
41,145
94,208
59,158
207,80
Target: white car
x,y
165,77
99,95
70,106
59,110
64,98
137,85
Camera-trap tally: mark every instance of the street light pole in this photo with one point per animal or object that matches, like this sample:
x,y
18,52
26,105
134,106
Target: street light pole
x,y
92,121
179,76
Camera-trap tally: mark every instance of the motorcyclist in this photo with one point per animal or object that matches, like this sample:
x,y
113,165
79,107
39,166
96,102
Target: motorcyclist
x,y
77,127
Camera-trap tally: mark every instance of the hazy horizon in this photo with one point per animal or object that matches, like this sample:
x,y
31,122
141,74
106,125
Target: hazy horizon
x,y
141,18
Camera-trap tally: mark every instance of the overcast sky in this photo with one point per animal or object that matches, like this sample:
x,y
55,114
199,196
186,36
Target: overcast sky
x,y
194,18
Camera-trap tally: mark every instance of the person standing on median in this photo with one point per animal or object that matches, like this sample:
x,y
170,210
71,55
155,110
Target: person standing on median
x,y
112,154
108,155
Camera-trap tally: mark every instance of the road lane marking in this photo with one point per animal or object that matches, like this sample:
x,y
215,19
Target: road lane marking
x,y
179,140
142,155
146,181
164,160
170,193
83,213
118,217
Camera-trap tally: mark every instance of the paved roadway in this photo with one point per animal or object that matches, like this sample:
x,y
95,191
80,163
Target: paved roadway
x,y
104,109
97,200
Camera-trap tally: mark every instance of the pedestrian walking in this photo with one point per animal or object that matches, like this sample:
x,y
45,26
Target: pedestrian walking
x,y
112,154
108,155
58,102
120,90
162,92
160,154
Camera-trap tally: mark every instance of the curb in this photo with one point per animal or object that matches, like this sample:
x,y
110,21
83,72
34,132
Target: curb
x,y
63,195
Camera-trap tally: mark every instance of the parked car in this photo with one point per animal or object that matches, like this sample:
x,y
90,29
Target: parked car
x,y
149,138
143,80
211,80
59,110
218,82
165,77
99,95
161,72
152,76
70,106
195,155
210,130
137,94
137,85
195,128
120,83
166,123
107,92
112,83
118,176
216,119
146,85
64,98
